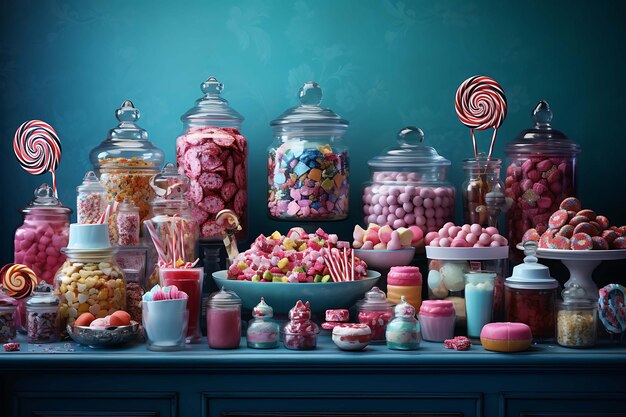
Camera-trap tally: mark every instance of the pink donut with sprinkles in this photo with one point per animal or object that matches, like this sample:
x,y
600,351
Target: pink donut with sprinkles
x,y
560,242
586,228
531,234
558,219
581,241
566,231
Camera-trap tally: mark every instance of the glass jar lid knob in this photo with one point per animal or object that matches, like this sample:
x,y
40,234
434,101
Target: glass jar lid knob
x,y
542,115
530,250
410,136
127,112
310,94
212,87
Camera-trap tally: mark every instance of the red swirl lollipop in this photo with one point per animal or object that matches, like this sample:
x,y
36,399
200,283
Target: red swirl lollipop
x,y
18,281
38,149
481,104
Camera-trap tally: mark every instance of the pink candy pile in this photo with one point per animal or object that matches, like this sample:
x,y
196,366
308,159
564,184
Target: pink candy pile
x,y
386,238
466,236
295,257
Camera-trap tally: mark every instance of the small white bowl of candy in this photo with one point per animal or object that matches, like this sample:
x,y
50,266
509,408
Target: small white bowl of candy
x,y
382,247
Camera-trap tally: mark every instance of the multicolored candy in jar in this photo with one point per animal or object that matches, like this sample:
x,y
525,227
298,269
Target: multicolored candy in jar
x,y
214,155
308,167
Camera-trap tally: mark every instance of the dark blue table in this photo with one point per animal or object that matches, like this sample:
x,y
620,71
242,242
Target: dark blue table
x,y
545,381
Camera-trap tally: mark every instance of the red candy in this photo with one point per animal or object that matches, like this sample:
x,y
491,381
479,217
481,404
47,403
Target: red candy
x,y
560,242
571,204
458,343
566,231
590,214
586,228
599,243
558,219
581,241
531,234
11,347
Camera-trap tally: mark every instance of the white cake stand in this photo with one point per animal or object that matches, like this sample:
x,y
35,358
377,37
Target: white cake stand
x,y
581,264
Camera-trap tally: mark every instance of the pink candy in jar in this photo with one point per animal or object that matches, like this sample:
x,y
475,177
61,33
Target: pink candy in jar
x,y
300,333
539,175
91,200
408,186
375,311
127,221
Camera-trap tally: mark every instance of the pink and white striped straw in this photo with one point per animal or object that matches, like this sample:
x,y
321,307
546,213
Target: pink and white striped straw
x,y
158,245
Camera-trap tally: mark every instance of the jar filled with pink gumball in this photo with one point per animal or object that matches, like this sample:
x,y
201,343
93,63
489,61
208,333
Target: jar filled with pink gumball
x,y
408,186
539,174
214,155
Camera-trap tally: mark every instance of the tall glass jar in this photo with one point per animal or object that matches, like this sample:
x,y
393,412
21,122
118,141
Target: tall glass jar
x,y
308,167
408,185
89,281
214,155
540,173
91,199
483,191
125,161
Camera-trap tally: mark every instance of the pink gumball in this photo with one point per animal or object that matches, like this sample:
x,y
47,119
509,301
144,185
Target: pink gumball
x,y
444,242
430,237
491,230
495,244
459,243
443,232
484,239
471,238
466,228
434,242
418,234
476,229
462,234
454,231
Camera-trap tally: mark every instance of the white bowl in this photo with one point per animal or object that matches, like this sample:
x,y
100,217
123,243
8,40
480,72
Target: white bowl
x,y
381,259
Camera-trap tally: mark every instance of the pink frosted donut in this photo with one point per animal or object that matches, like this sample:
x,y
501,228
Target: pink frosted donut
x,y
506,337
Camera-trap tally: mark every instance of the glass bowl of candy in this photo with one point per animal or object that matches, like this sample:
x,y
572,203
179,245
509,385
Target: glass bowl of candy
x,y
103,337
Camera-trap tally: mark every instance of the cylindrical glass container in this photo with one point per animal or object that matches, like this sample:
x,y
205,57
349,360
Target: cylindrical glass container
x,y
188,280
577,319
530,296
408,186
127,221
540,173
436,319
300,333
479,286
308,167
483,191
42,315
214,155
375,311
8,318
91,199
223,320
262,330
165,324
403,331
125,161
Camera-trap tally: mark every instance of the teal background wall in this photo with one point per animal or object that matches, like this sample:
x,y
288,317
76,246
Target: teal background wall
x,y
382,64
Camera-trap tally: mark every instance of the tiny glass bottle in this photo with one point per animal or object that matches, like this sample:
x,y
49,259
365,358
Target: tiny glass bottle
x,y
300,333
262,329
403,331
483,191
128,222
42,312
91,199
577,318
375,311
223,320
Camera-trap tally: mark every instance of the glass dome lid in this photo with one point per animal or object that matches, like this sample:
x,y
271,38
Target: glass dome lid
x,y
212,109
409,152
44,199
127,144
542,137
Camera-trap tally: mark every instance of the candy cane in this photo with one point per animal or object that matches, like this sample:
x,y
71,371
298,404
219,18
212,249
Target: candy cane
x,y
158,245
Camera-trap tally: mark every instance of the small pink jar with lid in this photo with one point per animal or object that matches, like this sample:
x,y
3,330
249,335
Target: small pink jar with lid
x,y
436,318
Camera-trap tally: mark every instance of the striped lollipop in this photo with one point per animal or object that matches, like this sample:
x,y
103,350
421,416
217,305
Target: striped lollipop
x,y
481,104
38,149
18,281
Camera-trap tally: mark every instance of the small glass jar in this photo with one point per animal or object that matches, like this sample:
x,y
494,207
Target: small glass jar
x,y
479,290
437,320
91,199
300,333
8,318
408,186
262,330
403,331
127,221
125,161
308,167
540,173
483,191
375,311
42,310
214,155
577,319
89,281
405,281
223,320
530,295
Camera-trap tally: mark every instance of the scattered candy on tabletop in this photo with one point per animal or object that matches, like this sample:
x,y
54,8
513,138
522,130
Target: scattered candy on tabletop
x,y
386,238
468,235
506,337
351,336
612,308
458,343
300,333
297,257
158,293
11,347
18,281
574,228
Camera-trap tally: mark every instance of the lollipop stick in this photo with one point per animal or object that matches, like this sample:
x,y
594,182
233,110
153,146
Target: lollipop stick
x,y
54,184
493,142
474,143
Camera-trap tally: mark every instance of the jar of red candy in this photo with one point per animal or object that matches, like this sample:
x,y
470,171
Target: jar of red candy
x,y
482,191
409,186
539,174
300,333
45,231
530,296
308,167
375,311
126,160
214,155
8,318
91,199
41,312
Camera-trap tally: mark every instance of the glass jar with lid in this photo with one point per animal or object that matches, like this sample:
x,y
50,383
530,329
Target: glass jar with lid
x,y
8,318
482,191
530,295
262,330
408,185
125,161
91,199
539,175
127,221
308,166
214,155
300,333
42,315
577,319
223,320
90,280
375,311
403,331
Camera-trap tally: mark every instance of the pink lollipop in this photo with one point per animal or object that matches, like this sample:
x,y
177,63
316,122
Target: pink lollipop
x,y
481,104
38,149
